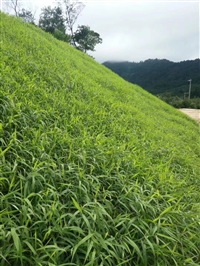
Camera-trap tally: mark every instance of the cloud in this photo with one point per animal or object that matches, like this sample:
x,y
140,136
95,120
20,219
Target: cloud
x,y
137,31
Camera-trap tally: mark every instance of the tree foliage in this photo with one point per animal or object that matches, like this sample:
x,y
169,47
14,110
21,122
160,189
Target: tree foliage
x,y
26,15
86,39
61,19
51,19
61,36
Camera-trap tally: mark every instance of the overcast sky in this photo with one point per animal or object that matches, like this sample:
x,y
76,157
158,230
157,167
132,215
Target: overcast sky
x,y
139,30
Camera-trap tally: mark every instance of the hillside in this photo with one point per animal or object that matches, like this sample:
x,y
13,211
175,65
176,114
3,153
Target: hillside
x,y
93,170
161,76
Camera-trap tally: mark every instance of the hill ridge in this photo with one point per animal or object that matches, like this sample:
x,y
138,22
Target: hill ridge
x,y
160,76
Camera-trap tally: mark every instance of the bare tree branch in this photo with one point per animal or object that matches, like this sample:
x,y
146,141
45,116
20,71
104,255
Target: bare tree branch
x,y
13,5
72,10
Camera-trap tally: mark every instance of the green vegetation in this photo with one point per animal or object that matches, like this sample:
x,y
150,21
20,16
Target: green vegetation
x,y
166,79
93,170
51,19
56,21
86,39
179,102
59,21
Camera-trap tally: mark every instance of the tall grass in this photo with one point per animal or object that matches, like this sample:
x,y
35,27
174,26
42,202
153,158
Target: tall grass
x,y
94,170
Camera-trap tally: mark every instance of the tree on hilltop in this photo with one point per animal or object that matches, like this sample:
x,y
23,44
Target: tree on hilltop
x,y
86,38
52,21
71,10
26,15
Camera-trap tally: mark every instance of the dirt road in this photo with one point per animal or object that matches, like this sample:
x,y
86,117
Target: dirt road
x,y
193,113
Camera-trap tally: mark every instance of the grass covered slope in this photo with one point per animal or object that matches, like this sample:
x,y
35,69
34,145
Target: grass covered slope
x,y
94,170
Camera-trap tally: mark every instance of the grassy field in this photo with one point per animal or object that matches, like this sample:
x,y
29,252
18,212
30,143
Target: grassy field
x,y
94,171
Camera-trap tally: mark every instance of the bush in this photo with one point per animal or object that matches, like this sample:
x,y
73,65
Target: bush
x,y
178,102
61,36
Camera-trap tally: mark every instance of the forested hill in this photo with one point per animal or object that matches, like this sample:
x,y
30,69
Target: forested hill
x,y
161,76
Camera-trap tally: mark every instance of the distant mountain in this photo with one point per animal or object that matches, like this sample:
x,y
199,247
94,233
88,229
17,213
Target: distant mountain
x,y
160,76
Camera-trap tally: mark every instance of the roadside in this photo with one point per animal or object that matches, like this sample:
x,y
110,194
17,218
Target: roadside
x,y
193,113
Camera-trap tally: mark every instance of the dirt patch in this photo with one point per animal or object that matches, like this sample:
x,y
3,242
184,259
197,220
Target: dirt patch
x,y
193,113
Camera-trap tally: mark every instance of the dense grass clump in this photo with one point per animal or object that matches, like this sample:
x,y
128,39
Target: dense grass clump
x,y
94,170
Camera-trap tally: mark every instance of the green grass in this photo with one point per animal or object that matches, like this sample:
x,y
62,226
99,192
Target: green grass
x,y
93,170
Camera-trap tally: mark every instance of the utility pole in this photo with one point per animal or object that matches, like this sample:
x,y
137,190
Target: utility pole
x,y
190,86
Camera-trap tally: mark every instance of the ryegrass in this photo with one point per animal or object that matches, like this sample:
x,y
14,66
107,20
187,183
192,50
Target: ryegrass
x,y
94,170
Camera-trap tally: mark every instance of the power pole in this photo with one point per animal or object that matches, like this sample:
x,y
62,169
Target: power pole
x,y
190,86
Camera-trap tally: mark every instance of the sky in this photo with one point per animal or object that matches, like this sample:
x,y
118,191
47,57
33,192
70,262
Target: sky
x,y
139,30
